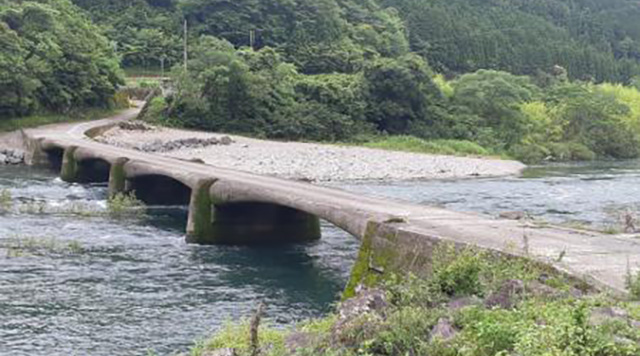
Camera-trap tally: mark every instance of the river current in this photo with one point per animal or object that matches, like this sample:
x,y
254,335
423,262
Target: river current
x,y
78,283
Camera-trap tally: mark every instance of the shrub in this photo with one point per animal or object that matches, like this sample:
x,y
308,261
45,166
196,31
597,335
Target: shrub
x,y
121,205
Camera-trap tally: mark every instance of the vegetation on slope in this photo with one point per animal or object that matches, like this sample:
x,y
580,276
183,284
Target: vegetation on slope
x,y
473,304
53,59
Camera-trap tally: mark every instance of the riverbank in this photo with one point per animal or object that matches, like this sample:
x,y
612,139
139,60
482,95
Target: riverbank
x,y
305,161
473,304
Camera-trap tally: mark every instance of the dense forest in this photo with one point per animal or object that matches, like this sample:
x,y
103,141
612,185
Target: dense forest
x,y
548,79
52,58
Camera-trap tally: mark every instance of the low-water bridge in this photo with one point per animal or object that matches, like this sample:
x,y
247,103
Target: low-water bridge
x,y
233,207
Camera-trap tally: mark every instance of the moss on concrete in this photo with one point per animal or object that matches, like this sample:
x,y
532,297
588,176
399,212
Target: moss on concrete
x,y
117,177
200,226
377,259
69,170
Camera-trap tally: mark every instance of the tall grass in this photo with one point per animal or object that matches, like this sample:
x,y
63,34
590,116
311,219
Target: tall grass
x,y
418,145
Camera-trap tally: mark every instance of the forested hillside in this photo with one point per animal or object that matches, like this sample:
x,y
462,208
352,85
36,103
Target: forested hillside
x,y
593,39
546,79
52,59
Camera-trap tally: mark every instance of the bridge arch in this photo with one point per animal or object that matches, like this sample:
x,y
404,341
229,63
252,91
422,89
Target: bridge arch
x,y
158,189
52,155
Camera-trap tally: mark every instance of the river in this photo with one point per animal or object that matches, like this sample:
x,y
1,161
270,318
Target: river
x,y
73,283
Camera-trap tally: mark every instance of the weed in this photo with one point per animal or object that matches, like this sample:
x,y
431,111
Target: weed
x,y
121,205
21,246
633,284
6,200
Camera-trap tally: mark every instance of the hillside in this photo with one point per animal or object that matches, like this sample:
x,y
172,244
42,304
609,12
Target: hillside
x,y
593,40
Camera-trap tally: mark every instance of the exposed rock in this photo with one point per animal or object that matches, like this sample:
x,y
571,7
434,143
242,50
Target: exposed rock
x,y
443,330
542,290
369,303
603,315
166,146
135,126
299,340
225,140
507,296
513,215
11,157
462,302
366,300
220,352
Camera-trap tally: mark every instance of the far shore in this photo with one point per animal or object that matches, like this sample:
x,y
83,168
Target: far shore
x,y
308,161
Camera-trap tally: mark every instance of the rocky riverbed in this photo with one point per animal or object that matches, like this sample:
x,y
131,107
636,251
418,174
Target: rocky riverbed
x,y
11,149
305,161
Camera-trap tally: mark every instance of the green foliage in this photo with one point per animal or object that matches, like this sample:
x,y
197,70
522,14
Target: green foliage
x,y
237,336
633,284
27,246
6,200
53,59
418,145
124,205
593,40
537,325
45,119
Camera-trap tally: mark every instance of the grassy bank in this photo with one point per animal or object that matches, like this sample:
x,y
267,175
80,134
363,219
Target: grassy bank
x,y
417,145
474,304
13,124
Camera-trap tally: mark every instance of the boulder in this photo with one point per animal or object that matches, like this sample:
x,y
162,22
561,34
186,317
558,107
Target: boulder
x,y
3,159
507,296
539,289
369,304
225,140
299,340
365,301
602,315
443,330
513,215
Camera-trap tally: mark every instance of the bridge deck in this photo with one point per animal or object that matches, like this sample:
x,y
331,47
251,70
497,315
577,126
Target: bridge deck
x,y
602,259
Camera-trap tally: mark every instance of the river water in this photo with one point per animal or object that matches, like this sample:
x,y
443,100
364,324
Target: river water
x,y
73,283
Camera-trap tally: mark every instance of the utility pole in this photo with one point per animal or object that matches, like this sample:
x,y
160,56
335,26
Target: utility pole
x,y
185,49
252,38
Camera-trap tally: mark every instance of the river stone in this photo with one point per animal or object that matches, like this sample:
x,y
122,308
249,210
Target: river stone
x,y
443,330
512,215
507,296
3,158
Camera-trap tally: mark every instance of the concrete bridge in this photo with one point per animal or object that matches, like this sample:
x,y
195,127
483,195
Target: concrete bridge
x,y
233,207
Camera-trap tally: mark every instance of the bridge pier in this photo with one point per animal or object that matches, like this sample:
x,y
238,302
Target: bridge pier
x,y
69,172
199,223
251,223
117,177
